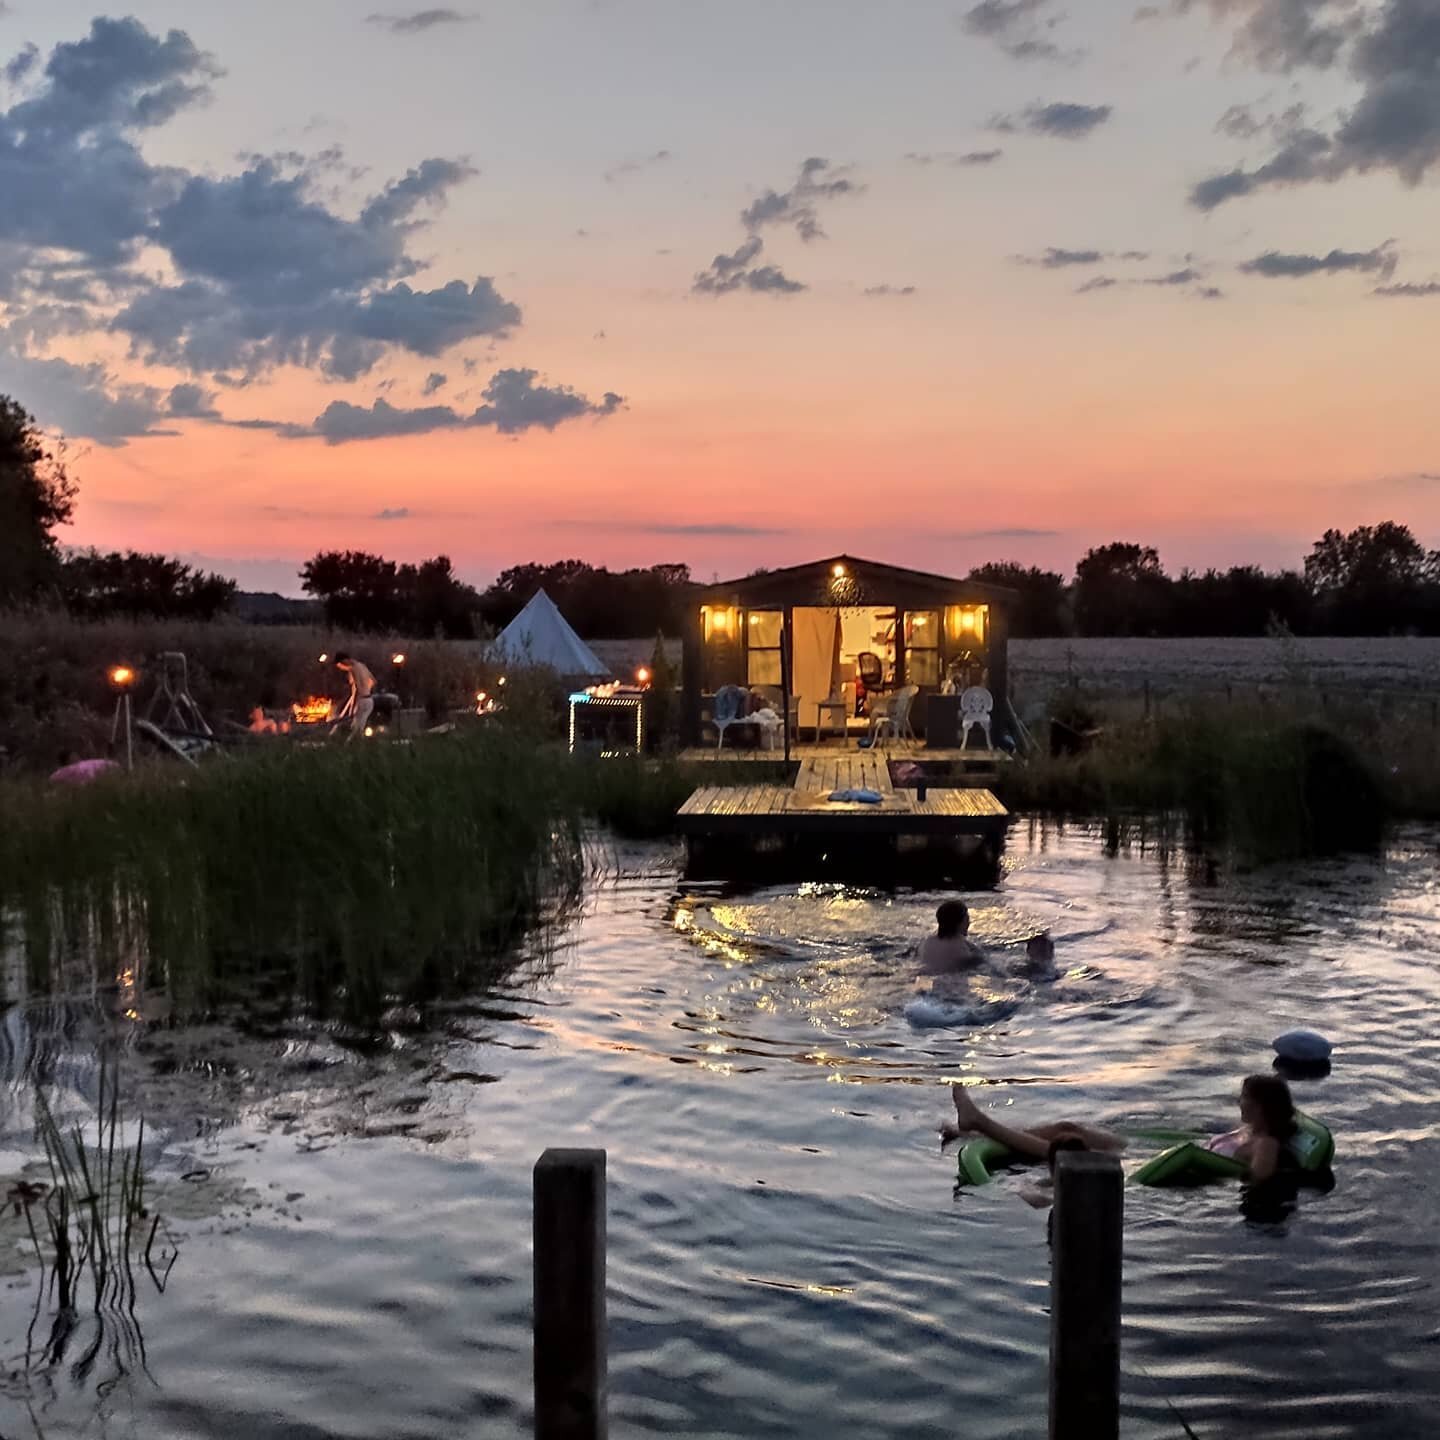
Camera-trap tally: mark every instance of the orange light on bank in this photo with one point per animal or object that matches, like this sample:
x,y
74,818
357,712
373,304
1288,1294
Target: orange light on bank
x,y
121,676
643,675
397,658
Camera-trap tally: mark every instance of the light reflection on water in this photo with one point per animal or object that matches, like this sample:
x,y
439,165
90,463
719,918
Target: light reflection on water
x,y
787,1251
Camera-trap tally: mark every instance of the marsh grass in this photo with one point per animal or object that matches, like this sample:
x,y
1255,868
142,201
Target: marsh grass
x,y
343,877
1265,781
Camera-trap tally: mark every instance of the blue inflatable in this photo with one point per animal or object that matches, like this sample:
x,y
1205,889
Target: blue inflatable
x,y
1302,1047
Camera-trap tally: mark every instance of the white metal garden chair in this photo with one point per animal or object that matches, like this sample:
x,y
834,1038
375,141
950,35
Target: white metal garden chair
x,y
977,705
892,717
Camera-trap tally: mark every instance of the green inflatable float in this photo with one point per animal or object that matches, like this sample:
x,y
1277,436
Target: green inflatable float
x,y
1187,1163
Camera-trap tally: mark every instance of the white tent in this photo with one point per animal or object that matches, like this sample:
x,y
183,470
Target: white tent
x,y
540,635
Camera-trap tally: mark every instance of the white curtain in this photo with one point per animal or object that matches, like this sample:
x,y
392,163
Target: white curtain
x,y
817,643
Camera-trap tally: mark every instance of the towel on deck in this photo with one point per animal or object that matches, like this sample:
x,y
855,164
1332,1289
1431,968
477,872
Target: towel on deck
x,y
858,797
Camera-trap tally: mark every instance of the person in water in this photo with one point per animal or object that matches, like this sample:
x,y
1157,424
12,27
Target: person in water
x,y
1262,1142
950,951
1036,1141
1039,963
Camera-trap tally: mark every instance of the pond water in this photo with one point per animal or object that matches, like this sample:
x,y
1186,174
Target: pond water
x,y
788,1252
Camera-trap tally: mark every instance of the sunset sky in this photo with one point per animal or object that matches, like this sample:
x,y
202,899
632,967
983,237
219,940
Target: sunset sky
x,y
736,285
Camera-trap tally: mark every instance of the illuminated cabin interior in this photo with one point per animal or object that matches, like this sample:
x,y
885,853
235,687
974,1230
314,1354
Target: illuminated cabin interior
x,y
837,634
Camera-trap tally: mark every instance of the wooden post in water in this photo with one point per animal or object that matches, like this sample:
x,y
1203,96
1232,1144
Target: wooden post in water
x,y
570,1348
1086,1249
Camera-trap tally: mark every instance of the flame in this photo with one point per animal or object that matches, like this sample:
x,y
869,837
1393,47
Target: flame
x,y
121,676
313,711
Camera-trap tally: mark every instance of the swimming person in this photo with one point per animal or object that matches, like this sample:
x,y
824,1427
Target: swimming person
x,y
1039,962
1263,1140
362,692
1036,1141
1262,1143
949,951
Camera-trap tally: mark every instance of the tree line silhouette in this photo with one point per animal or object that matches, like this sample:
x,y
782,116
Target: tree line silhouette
x,y
1373,580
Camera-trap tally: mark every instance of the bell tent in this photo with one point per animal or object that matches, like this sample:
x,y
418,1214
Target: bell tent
x,y
540,635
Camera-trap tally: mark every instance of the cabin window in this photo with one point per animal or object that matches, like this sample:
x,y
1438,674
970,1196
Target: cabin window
x,y
967,626
764,631
922,647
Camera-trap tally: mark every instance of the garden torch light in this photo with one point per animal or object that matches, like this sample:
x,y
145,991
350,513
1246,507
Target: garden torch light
x,y
122,677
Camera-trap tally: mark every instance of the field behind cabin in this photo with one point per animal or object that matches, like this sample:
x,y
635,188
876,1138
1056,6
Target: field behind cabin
x,y
1354,667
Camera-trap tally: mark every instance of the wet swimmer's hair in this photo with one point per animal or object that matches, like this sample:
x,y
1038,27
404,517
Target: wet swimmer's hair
x,y
952,918
1272,1097
342,658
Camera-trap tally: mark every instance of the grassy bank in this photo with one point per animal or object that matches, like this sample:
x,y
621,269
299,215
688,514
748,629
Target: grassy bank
x,y
344,878
54,694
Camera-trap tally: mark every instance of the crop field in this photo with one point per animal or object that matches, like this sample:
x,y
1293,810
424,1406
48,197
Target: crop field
x,y
1351,666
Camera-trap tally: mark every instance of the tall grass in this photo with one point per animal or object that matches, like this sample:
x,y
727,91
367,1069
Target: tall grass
x,y
345,876
1266,783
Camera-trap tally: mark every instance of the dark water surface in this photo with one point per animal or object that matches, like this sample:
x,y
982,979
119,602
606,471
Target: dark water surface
x,y
788,1256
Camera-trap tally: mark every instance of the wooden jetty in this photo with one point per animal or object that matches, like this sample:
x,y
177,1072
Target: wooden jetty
x,y
797,830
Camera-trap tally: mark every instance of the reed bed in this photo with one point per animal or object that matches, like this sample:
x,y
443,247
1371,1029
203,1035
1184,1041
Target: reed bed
x,y
1264,782
348,877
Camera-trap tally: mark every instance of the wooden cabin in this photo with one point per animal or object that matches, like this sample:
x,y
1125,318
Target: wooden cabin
x,y
830,636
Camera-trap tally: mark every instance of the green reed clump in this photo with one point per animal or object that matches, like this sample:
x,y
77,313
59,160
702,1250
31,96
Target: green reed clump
x,y
634,797
1267,784
343,874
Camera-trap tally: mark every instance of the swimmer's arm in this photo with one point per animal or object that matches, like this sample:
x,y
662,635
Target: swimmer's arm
x,y
1263,1158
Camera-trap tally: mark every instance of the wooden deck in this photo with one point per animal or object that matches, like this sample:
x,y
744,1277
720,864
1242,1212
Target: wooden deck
x,y
916,750
802,820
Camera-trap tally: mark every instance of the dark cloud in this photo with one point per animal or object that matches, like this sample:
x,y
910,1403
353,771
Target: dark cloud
x,y
797,207
1015,26
1277,265
634,167
1394,125
817,182
71,174
1058,120
1411,290
435,381
398,512
879,290
1244,122
1286,35
418,21
17,69
513,404
192,402
728,273
262,268
1100,282
1056,258
957,158
272,276
1186,276
427,184
83,399
1210,292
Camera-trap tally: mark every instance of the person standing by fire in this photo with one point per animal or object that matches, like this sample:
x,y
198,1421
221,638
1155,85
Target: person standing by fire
x,y
362,693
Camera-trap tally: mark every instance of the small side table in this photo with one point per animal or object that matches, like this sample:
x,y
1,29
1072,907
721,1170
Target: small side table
x,y
839,711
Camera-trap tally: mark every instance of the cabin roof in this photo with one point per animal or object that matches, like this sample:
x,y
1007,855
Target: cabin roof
x,y
800,580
